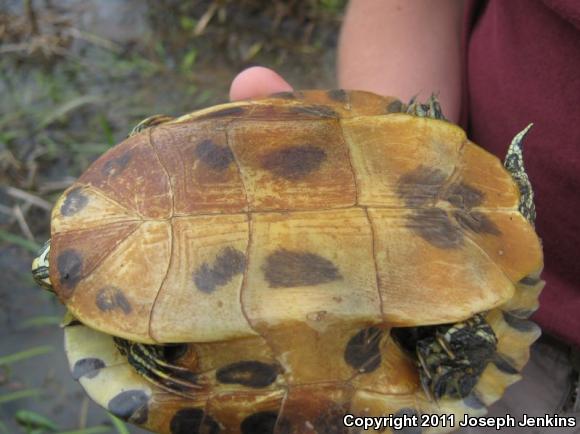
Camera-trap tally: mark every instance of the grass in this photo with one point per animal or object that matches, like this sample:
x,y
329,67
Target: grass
x,y
118,424
100,429
41,321
26,354
20,394
35,423
15,239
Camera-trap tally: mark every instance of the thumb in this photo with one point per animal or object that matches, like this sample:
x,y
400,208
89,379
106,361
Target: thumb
x,y
256,82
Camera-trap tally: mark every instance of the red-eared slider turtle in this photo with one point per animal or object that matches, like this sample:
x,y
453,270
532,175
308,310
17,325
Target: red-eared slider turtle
x,y
272,265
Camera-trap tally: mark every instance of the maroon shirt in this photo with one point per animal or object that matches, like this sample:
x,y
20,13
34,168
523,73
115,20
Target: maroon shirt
x,y
523,65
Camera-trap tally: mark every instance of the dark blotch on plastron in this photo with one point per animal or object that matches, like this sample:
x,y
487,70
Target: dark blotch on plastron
x,y
435,227
521,325
464,196
131,406
530,281
248,373
339,95
88,367
229,263
69,265
409,412
204,279
193,421
74,202
263,422
476,222
421,186
473,401
294,162
116,166
363,350
395,106
504,364
231,111
112,298
214,156
317,111
285,269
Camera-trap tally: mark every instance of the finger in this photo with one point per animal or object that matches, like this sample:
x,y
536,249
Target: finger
x,y
256,82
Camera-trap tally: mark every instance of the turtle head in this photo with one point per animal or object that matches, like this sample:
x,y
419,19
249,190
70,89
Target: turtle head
x,y
40,267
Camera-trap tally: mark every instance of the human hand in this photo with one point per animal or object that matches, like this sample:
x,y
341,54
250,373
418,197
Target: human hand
x,y
256,82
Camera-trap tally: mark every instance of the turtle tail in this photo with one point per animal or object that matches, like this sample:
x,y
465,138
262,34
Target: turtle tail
x,y
514,163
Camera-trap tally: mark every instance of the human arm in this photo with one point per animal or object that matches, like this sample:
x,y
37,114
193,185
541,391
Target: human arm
x,y
392,47
403,48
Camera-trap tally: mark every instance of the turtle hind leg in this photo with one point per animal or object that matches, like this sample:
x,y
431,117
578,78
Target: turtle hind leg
x,y
432,109
151,121
455,358
451,357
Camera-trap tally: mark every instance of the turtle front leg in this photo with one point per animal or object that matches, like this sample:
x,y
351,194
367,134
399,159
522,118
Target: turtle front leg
x,y
151,121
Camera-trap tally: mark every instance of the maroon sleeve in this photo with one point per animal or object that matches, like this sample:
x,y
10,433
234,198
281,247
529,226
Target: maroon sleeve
x,y
522,65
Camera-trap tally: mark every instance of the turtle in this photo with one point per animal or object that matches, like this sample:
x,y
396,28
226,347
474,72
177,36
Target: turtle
x,y
275,265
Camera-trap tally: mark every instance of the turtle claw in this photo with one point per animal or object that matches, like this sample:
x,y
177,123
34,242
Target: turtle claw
x,y
514,163
432,109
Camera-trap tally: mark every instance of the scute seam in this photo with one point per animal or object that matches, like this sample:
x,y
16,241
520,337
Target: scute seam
x,y
473,242
249,245
349,156
112,250
104,225
375,263
245,276
455,174
169,181
169,263
248,249
105,197
280,416
171,236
